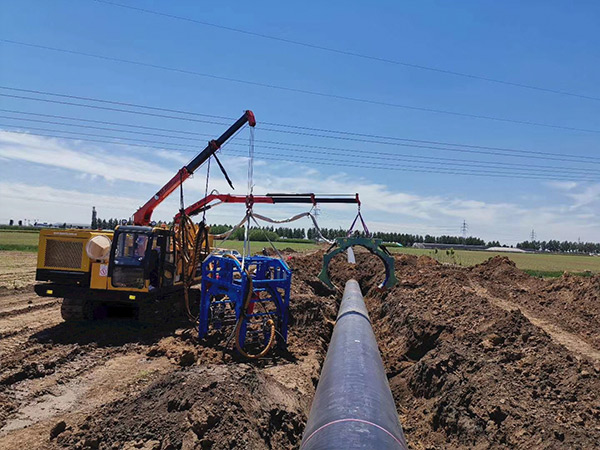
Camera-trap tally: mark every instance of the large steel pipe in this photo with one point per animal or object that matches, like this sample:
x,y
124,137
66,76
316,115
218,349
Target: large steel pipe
x,y
353,406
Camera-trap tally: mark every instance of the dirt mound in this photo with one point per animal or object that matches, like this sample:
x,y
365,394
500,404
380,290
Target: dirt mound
x,y
424,260
499,268
583,291
571,301
270,251
215,406
468,374
405,260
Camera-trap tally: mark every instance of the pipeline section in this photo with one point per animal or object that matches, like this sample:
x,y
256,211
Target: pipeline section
x,y
353,406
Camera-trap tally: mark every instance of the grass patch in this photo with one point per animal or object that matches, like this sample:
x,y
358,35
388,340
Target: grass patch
x,y
554,273
18,228
295,241
537,262
19,238
19,247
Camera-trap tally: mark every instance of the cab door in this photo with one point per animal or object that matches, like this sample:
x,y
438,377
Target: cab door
x,y
168,266
128,266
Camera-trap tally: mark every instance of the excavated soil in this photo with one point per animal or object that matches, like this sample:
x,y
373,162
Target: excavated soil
x,y
473,366
482,357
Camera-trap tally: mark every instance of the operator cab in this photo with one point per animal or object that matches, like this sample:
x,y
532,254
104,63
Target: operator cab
x,y
142,257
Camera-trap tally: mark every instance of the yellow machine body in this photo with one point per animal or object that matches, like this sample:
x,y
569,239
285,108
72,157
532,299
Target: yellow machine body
x,y
60,249
64,263
99,279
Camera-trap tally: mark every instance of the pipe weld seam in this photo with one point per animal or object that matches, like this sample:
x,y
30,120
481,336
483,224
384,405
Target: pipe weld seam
x,y
353,312
333,422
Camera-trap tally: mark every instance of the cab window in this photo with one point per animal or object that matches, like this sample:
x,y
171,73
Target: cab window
x,y
131,249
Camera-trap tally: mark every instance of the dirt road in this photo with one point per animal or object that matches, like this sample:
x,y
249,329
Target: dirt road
x,y
482,357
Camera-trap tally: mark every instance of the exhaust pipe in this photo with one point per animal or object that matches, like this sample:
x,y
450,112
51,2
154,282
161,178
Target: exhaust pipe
x,y
353,406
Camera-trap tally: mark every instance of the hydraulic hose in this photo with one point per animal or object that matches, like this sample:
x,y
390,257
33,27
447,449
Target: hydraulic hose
x,y
185,232
238,326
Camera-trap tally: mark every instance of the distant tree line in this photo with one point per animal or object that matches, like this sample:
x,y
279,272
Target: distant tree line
x,y
406,239
332,233
557,246
111,224
104,224
261,234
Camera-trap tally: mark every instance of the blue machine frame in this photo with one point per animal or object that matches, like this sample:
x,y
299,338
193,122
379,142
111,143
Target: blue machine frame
x,y
225,284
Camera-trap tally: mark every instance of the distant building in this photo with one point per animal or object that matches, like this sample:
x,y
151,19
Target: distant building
x,y
433,246
506,249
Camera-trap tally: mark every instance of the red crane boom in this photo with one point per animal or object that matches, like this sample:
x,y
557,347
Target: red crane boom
x,y
249,200
143,215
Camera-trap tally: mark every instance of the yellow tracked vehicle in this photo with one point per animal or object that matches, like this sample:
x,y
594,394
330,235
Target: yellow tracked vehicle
x,y
99,272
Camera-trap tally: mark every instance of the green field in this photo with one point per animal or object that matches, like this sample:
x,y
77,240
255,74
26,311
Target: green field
x,y
19,240
533,263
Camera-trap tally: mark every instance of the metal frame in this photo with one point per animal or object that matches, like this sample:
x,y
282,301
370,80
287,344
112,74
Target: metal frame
x,y
225,282
375,246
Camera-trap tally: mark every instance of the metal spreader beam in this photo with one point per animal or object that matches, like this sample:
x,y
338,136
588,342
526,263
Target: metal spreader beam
x,y
353,407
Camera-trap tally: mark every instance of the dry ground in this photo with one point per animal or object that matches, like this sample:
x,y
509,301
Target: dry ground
x,y
482,357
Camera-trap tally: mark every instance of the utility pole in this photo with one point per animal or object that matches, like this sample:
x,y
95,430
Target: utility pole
x,y
463,229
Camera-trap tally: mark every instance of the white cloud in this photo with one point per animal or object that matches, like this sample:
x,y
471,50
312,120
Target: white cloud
x,y
178,157
81,158
562,185
586,196
137,164
384,208
48,204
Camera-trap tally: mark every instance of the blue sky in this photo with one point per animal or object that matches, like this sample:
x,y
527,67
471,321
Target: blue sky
x,y
548,44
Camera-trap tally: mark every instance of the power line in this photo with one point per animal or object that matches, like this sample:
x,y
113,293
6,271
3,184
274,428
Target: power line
x,y
435,158
395,138
340,151
114,102
106,108
514,153
554,171
149,141
297,127
355,54
109,129
343,163
298,90
345,137
332,162
104,122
